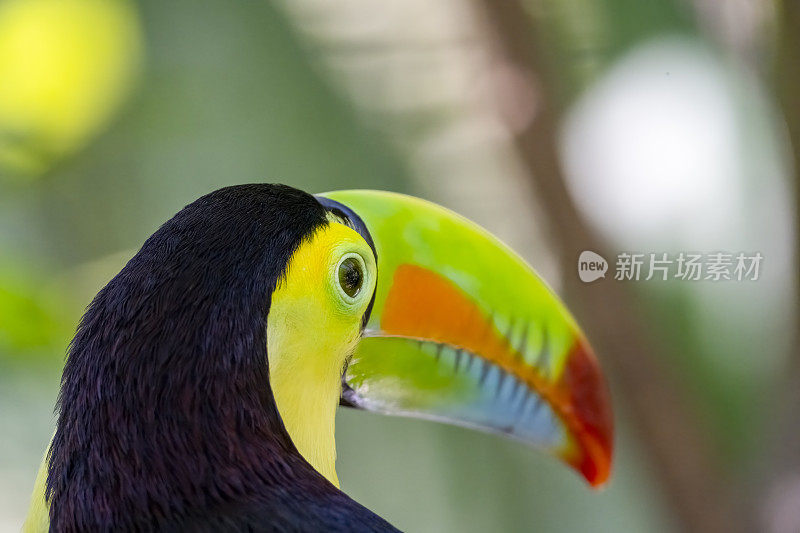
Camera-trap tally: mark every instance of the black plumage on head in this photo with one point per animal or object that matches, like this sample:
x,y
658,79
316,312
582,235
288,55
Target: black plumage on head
x,y
166,419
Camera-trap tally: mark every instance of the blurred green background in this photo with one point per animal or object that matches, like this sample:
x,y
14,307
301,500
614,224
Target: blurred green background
x,y
114,114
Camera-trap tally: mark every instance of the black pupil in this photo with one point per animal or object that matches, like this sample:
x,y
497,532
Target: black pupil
x,y
350,276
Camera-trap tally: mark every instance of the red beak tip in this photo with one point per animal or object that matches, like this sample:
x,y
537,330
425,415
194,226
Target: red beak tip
x,y
594,421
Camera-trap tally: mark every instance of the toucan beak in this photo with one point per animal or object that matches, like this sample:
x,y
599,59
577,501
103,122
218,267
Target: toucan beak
x,y
463,331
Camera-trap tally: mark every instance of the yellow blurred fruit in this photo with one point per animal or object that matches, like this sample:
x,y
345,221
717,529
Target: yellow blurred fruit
x,y
65,68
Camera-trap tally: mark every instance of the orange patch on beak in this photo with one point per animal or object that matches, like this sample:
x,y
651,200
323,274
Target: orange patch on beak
x,y
424,305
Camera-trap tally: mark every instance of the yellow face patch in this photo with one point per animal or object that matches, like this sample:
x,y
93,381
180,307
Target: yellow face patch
x,y
314,324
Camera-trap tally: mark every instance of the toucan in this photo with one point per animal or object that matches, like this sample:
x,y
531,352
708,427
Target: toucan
x,y
200,390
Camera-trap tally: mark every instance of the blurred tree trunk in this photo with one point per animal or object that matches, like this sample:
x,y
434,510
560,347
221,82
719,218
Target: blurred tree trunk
x,y
781,511
681,456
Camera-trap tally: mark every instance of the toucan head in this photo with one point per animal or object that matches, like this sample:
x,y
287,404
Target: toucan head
x,y
226,344
399,306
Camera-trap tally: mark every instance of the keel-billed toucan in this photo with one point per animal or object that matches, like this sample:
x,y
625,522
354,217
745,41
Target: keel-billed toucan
x,y
200,391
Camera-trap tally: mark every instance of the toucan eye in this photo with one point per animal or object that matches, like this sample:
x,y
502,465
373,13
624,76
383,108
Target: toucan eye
x,y
351,276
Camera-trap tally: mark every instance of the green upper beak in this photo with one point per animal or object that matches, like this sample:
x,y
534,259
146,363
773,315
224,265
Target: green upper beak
x,y
463,331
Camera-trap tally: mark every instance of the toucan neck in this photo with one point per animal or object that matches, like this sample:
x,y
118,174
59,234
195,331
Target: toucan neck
x,y
157,411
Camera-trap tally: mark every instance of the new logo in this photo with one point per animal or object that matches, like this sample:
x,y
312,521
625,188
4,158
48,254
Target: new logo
x,y
591,266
